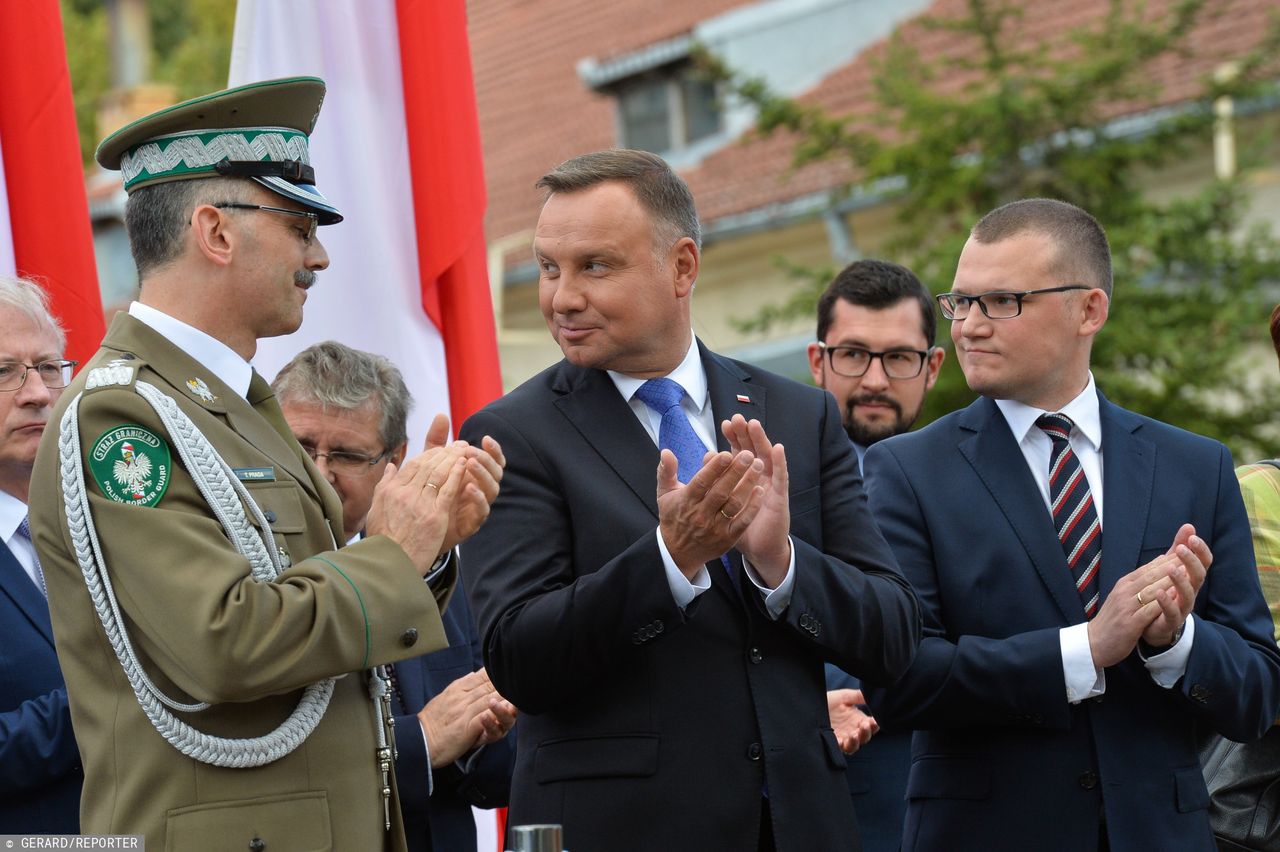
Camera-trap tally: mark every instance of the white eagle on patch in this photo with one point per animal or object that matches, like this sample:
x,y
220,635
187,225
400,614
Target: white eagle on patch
x,y
133,471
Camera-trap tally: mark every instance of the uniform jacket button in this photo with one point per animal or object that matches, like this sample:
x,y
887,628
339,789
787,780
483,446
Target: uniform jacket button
x,y
754,751
270,516
409,638
755,656
1088,780
257,844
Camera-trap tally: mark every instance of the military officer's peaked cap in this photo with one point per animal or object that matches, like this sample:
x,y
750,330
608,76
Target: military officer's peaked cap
x,y
257,131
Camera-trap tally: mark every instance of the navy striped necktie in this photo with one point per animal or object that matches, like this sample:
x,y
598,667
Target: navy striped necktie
x,y
1074,516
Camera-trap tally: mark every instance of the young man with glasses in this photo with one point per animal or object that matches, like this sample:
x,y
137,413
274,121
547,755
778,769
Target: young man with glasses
x,y
875,354
1086,576
40,773
181,514
349,410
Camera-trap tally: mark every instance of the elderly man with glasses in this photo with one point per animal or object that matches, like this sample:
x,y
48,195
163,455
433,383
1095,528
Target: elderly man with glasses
x,y
40,773
1086,576
349,409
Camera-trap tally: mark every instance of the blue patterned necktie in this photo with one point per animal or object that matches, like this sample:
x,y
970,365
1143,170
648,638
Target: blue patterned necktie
x,y
24,530
1074,515
675,434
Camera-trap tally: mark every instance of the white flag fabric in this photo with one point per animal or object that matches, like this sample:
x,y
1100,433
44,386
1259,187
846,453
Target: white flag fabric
x,y
370,297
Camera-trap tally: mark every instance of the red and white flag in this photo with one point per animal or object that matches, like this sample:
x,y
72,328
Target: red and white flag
x,y
44,213
397,150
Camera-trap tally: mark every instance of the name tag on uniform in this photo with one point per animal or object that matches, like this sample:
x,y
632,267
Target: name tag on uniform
x,y
255,474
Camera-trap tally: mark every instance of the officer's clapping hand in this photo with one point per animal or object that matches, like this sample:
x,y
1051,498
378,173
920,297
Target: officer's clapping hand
x,y
412,505
480,484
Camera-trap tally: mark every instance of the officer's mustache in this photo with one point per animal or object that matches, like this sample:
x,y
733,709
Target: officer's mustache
x,y
304,278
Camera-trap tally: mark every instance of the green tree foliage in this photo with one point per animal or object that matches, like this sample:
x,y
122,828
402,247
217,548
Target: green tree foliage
x,y
953,136
190,47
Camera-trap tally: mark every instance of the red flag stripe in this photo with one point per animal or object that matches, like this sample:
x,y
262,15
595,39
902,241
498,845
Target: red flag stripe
x,y
449,195
48,210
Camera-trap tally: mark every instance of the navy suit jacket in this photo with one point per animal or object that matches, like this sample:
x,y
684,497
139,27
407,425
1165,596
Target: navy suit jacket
x,y
443,821
1001,760
40,774
645,727
877,777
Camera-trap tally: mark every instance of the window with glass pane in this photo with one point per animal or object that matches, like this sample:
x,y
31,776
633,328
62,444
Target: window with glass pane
x,y
701,109
646,119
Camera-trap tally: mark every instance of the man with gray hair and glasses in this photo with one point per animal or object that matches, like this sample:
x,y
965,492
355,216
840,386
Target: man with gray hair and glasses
x,y
40,773
348,409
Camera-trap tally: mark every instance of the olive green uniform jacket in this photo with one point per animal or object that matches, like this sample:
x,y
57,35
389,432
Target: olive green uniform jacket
x,y
206,631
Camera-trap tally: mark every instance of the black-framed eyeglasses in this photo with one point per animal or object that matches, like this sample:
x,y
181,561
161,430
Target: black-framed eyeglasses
x,y
341,461
854,361
55,374
997,305
308,233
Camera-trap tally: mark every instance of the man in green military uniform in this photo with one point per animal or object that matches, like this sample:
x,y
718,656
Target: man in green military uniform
x,y
215,639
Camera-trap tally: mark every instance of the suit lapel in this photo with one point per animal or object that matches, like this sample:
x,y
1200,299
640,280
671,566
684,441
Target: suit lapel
x,y
17,585
591,403
732,392
997,460
1128,475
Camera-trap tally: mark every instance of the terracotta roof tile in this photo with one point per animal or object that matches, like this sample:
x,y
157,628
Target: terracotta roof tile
x,y
536,112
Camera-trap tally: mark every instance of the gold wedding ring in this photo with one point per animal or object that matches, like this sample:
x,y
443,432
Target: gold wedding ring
x,y
1141,602
433,485
727,516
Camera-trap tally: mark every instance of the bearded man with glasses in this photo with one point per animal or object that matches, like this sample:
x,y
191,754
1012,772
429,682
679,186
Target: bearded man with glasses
x,y
1086,576
875,354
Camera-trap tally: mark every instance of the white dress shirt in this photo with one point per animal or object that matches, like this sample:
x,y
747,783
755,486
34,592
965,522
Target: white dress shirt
x,y
696,404
12,511
216,356
1083,680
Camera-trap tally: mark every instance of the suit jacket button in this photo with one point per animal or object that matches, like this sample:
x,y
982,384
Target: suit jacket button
x,y
817,627
755,656
257,844
409,638
658,626
1200,693
1088,780
635,638
805,620
754,751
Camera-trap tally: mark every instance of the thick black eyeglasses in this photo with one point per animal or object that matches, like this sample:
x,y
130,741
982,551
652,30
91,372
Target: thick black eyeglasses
x,y
998,305
54,374
342,462
854,361
308,233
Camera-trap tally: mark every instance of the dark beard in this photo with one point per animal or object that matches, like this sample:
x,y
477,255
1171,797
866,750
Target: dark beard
x,y
865,434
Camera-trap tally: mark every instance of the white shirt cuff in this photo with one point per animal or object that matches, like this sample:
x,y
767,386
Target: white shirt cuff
x,y
426,747
1168,667
776,600
1083,680
683,589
